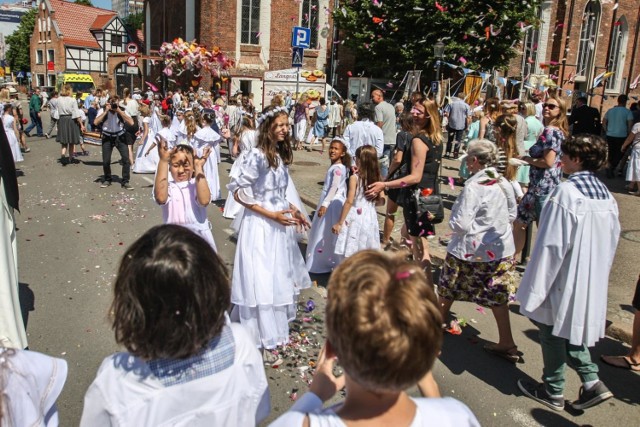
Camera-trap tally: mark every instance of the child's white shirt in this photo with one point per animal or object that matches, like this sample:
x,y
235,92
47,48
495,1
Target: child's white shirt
x,y
441,412
126,392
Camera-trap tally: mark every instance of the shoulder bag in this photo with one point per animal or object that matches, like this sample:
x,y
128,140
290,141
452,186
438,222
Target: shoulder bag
x,y
427,202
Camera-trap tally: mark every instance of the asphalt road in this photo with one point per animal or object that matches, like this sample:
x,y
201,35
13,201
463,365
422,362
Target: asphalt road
x,y
72,234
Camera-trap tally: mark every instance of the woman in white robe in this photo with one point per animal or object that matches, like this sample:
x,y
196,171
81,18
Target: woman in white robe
x,y
245,142
204,137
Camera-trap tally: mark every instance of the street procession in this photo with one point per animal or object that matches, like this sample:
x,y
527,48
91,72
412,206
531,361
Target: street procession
x,y
319,213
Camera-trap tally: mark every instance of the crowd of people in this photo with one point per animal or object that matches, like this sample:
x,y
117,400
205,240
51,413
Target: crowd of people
x,y
196,341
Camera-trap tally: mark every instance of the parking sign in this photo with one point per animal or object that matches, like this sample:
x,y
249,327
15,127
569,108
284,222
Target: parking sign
x,y
301,37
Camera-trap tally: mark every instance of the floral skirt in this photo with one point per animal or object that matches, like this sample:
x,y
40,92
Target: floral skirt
x,y
489,284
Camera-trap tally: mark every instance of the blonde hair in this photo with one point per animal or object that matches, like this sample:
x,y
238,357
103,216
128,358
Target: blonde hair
x,y
190,123
506,124
66,90
5,95
432,129
561,121
492,108
383,320
529,109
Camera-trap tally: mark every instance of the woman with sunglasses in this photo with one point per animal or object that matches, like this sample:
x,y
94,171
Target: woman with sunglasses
x,y
422,159
545,171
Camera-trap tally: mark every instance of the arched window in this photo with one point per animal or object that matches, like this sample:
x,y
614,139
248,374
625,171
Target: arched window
x,y
617,50
588,37
250,22
310,19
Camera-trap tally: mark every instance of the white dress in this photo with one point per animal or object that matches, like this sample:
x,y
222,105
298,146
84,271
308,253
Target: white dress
x,y
248,141
633,167
207,137
269,269
205,390
32,383
7,121
442,412
360,229
155,124
146,163
321,256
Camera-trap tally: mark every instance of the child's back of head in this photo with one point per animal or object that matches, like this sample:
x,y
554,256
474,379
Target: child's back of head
x,y
170,295
383,321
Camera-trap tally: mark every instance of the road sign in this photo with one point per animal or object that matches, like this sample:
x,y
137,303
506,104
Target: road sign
x,y
132,48
435,87
29,74
132,70
298,57
301,37
20,75
132,61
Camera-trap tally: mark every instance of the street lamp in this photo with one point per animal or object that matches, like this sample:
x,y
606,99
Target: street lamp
x,y
438,53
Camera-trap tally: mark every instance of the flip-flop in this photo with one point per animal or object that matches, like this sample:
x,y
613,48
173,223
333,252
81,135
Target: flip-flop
x,y
622,362
505,354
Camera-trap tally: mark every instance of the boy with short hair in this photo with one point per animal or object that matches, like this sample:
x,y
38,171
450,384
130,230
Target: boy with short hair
x,y
564,289
384,325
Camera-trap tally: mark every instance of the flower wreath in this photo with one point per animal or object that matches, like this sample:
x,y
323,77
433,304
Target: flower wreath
x,y
271,113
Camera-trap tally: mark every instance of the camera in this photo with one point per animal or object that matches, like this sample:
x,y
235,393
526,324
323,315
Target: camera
x,y
114,106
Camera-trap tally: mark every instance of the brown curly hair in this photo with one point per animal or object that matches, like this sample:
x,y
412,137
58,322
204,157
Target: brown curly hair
x,y
268,145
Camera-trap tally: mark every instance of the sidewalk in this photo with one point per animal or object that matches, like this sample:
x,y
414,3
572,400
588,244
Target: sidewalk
x,y
308,171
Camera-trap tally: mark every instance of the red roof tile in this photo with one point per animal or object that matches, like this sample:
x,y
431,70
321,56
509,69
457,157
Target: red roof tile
x,y
75,22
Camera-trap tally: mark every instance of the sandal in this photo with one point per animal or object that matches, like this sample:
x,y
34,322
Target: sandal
x,y
622,362
512,355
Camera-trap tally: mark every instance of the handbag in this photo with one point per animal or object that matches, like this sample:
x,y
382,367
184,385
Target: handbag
x,y
425,202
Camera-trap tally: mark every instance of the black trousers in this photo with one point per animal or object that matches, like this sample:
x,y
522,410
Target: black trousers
x,y
108,144
454,140
615,151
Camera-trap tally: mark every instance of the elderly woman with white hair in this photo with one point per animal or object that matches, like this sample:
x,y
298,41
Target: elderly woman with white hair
x,y
479,264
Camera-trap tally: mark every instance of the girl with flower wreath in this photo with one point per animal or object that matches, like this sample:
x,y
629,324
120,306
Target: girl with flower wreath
x,y
269,270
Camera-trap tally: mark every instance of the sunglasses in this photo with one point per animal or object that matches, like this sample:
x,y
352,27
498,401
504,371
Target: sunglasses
x,y
550,106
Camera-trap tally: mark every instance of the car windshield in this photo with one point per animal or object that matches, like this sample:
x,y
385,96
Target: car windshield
x,y
83,87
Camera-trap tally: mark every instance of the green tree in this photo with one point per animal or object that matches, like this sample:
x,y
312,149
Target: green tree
x,y
390,37
18,54
134,21
84,2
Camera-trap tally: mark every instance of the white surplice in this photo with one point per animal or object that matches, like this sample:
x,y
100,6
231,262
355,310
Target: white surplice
x,y
566,280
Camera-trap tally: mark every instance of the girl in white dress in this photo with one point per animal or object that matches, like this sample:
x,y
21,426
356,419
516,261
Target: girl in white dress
x,y
321,256
165,134
633,167
11,129
146,158
358,227
203,138
269,269
185,197
244,142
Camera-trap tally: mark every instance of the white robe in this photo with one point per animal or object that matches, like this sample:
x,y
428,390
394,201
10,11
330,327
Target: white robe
x,y
565,284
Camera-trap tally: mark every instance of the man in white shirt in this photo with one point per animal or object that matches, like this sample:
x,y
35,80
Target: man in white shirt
x,y
364,131
177,99
113,121
137,94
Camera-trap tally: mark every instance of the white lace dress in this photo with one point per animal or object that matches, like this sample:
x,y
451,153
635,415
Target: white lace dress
x,y
146,163
269,269
248,141
7,122
321,256
361,229
207,137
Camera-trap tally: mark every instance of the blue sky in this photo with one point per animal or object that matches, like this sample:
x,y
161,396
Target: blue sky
x,y
105,4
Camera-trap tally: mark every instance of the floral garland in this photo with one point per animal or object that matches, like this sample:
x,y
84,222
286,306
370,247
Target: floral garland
x,y
270,113
181,55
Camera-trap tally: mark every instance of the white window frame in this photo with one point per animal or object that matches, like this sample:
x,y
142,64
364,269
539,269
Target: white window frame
x,y
587,46
40,80
617,55
51,56
250,35
39,56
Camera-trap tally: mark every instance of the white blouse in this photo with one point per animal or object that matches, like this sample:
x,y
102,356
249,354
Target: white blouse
x,y
481,219
67,106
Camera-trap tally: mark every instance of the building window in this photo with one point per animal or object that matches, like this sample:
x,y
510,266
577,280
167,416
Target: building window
x,y
40,80
250,22
52,80
117,40
50,55
310,18
588,36
39,57
617,49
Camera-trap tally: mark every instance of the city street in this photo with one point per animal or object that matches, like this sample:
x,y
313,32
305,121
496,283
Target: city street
x,y
72,234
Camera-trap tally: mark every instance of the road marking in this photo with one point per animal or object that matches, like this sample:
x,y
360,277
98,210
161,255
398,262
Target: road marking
x,y
522,418
149,180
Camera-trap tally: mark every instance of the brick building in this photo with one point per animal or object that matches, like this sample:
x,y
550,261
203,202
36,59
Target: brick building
x,y
72,38
579,40
255,33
